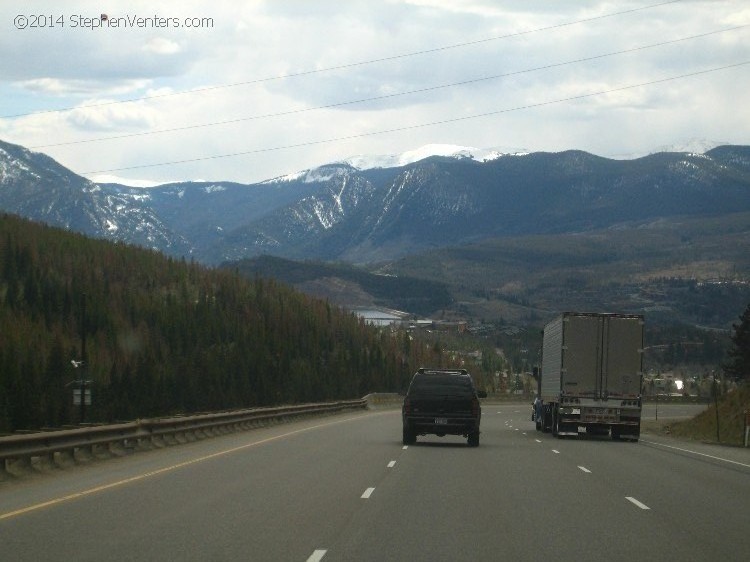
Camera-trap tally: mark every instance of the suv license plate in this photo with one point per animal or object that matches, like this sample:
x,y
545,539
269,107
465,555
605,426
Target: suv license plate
x,y
441,421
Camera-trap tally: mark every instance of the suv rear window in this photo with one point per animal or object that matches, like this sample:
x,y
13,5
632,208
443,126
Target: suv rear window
x,y
441,385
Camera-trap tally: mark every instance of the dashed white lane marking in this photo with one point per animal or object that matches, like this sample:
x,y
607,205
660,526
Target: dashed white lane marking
x,y
636,502
391,464
368,493
538,440
584,469
556,451
317,555
405,447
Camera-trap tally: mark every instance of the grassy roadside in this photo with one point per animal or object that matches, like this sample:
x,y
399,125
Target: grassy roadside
x,y
703,426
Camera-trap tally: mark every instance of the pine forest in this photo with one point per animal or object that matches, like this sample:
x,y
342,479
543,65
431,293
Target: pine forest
x,y
166,336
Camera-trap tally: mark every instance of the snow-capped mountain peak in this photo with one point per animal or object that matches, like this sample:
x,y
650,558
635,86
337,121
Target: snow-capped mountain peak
x,y
367,162
314,175
362,162
691,146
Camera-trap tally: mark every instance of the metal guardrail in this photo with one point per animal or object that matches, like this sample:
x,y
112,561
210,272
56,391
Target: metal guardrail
x,y
48,445
386,399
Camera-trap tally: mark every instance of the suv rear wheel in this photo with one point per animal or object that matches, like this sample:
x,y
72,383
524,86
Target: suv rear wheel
x,y
473,439
409,437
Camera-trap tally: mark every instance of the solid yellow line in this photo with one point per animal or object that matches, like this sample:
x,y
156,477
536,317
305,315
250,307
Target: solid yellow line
x,y
138,477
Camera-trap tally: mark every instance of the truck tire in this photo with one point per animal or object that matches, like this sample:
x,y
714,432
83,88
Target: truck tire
x,y
546,419
634,437
409,438
555,422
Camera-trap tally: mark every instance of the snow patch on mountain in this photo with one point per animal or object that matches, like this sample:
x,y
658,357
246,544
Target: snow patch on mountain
x,y
315,175
107,178
11,168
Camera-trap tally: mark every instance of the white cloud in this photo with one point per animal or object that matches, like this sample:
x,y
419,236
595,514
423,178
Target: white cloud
x,y
61,87
103,115
251,42
162,46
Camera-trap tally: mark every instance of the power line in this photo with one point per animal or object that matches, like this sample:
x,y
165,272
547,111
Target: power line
x,y
389,96
423,125
353,64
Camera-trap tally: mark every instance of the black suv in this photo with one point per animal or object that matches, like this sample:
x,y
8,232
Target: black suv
x,y
442,402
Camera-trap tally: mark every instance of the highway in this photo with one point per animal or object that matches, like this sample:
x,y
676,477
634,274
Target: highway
x,y
344,488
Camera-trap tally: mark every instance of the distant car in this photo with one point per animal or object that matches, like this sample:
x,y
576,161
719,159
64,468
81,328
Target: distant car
x,y
442,402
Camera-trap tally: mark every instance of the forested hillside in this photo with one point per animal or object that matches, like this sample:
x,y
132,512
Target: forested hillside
x,y
164,336
418,296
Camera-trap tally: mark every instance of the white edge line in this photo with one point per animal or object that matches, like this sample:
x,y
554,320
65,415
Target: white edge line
x,y
368,493
695,453
317,555
636,502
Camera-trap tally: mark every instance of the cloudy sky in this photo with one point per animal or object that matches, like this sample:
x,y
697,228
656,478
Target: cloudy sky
x,y
256,89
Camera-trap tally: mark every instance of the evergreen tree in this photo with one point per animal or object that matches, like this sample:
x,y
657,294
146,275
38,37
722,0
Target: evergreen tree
x,y
739,355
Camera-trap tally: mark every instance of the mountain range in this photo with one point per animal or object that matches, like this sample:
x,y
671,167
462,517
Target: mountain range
x,y
497,236
348,212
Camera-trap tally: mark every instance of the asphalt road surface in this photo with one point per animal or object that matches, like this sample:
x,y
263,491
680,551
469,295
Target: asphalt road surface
x,y
344,488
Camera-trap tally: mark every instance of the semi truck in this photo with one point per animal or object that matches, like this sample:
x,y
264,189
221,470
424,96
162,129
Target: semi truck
x,y
591,375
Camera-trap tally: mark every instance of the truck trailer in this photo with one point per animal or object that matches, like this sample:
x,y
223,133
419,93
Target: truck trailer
x,y
591,375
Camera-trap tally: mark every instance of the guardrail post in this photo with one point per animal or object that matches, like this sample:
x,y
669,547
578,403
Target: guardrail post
x,y
4,474
45,462
83,453
21,464
64,459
